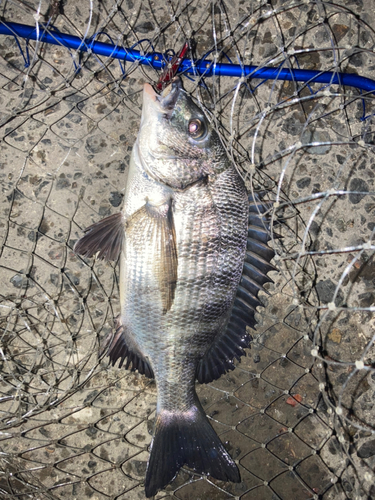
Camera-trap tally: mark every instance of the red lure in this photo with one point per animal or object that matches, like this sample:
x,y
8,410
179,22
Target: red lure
x,y
172,67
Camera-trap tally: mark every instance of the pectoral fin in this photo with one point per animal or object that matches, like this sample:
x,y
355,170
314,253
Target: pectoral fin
x,y
156,222
103,238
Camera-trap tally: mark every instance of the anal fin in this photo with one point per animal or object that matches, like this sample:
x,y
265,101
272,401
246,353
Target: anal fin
x,y
117,347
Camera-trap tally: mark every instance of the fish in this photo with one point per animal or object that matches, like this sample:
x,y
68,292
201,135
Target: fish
x,y
194,255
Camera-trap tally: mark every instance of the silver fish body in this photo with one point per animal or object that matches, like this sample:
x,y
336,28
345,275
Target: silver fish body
x,y
183,241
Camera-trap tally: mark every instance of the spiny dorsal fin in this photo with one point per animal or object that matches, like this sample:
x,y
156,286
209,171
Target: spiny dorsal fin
x,y
230,344
103,238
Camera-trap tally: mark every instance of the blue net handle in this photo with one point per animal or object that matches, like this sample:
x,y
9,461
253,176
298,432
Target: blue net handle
x,y
200,67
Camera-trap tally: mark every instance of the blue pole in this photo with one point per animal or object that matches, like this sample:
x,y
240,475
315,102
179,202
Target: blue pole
x,y
206,67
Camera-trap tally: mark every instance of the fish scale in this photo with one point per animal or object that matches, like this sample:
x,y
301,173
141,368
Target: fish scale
x,y
194,255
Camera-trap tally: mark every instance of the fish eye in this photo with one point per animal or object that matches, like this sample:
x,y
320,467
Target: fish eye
x,y
196,128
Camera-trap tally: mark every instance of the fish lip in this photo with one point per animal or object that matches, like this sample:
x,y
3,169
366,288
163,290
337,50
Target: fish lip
x,y
170,94
150,92
166,101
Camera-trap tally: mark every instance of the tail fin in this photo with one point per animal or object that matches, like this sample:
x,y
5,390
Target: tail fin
x,y
186,438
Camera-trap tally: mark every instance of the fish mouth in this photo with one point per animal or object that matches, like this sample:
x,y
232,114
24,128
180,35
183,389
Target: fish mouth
x,y
168,98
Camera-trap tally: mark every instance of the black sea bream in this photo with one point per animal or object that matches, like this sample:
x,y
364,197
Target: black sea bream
x,y
193,257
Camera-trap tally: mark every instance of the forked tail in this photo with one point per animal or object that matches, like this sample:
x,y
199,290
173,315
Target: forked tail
x,y
186,438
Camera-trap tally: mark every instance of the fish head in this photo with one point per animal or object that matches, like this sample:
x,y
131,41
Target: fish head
x,y
178,146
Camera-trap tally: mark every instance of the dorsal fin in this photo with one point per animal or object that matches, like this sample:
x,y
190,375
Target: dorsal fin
x,y
230,344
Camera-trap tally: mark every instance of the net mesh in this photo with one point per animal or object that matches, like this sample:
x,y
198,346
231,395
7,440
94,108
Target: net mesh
x,y
297,414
